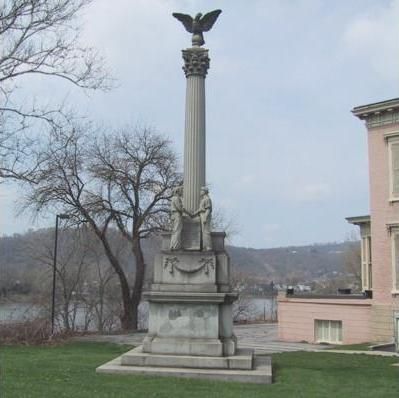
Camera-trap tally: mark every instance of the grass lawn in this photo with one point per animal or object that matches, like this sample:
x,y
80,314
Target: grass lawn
x,y
352,347
68,371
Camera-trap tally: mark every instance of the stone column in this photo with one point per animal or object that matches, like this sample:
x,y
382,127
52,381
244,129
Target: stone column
x,y
196,64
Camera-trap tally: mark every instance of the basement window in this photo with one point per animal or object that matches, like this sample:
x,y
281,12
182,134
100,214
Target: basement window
x,y
327,331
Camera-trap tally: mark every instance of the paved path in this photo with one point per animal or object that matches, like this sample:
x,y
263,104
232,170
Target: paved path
x,y
262,337
129,339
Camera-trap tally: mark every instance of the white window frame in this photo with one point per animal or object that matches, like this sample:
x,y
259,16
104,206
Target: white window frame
x,y
391,138
394,233
366,271
329,340
396,328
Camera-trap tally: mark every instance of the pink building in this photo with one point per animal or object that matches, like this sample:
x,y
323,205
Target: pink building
x,y
374,315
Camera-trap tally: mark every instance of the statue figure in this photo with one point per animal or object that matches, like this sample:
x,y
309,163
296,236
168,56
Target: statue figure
x,y
205,214
176,217
198,25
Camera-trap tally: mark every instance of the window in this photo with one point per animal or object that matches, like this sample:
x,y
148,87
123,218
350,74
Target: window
x,y
396,317
393,148
395,261
367,281
328,331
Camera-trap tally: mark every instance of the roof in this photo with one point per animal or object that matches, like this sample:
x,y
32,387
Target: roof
x,y
377,107
358,220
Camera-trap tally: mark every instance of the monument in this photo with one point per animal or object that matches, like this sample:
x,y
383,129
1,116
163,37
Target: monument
x,y
190,331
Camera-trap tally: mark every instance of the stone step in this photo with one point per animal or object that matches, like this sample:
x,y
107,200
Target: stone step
x,y
136,357
261,374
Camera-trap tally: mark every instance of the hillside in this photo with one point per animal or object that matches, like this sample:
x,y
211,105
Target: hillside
x,y
304,263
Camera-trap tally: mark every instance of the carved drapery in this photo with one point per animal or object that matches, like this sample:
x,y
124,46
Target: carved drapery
x,y
173,263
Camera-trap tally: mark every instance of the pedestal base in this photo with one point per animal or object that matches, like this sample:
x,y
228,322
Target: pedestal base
x,y
190,328
242,367
137,357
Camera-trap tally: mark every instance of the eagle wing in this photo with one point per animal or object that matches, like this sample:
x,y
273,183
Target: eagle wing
x,y
186,20
209,19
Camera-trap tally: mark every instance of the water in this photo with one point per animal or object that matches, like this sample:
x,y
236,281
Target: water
x,y
260,308
12,312
265,308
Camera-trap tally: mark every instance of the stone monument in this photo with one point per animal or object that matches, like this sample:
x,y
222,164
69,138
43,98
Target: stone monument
x,y
190,330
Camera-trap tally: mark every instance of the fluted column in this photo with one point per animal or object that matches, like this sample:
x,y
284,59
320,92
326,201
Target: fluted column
x,y
196,64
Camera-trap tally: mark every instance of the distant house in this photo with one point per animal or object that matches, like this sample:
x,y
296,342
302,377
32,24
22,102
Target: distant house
x,y
372,316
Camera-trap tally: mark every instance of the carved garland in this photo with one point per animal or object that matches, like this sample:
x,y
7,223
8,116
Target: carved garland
x,y
172,263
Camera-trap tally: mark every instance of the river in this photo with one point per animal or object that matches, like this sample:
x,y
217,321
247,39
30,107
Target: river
x,y
259,308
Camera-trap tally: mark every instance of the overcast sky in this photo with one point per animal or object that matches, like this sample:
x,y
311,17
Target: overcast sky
x,y
286,159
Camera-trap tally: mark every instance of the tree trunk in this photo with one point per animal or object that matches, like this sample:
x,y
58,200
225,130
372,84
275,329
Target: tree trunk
x,y
128,321
66,316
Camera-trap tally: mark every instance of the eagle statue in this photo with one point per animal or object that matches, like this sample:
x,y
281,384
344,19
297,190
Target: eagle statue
x,y
198,25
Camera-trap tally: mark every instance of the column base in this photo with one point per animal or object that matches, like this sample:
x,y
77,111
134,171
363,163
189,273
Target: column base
x,y
243,359
235,368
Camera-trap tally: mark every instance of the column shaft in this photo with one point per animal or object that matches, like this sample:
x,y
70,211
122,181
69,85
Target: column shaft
x,y
194,142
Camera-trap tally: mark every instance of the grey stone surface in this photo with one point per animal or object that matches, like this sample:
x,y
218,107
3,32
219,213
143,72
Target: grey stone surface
x,y
189,297
218,238
183,346
194,141
187,287
184,320
205,214
182,267
261,374
136,357
223,269
176,218
191,236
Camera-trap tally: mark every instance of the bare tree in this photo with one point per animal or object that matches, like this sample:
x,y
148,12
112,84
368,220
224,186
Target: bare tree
x,y
353,260
122,180
244,308
71,272
102,295
39,38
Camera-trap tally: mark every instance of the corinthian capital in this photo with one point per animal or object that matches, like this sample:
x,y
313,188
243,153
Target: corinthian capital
x,y
196,61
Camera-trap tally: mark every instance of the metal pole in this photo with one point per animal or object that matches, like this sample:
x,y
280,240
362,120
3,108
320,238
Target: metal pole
x,y
54,275
272,309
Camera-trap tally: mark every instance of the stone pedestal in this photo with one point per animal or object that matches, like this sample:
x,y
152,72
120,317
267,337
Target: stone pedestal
x,y
190,332
190,303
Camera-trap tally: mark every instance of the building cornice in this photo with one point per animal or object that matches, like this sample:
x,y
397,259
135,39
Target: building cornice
x,y
358,220
379,113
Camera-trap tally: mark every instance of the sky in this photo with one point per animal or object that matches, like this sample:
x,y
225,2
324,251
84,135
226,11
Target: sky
x,y
286,159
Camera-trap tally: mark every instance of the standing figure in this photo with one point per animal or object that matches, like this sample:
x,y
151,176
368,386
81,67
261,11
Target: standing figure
x,y
176,217
205,214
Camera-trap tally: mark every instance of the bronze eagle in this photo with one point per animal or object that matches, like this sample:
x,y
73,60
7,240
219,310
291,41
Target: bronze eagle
x,y
198,24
